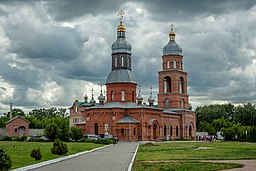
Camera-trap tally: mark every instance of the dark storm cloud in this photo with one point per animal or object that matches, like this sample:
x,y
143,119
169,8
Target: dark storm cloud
x,y
68,9
186,10
51,50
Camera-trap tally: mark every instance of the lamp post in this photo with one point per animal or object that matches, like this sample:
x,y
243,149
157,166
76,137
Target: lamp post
x,y
11,103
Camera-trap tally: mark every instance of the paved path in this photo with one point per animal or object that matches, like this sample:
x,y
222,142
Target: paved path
x,y
113,158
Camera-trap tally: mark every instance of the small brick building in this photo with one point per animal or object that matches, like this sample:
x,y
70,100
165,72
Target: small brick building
x,y
123,113
17,127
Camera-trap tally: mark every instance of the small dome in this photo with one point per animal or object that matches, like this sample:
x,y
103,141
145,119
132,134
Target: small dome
x,y
139,98
92,101
121,75
151,100
101,97
85,98
172,48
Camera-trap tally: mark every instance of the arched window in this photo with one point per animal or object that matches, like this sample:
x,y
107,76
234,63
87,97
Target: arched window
x,y
168,64
181,65
122,95
165,130
174,64
76,109
177,131
171,130
167,104
128,62
96,129
190,131
181,85
133,99
115,61
112,95
182,103
167,84
122,58
134,131
122,131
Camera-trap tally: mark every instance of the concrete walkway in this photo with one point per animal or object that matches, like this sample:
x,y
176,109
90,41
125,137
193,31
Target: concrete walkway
x,y
113,158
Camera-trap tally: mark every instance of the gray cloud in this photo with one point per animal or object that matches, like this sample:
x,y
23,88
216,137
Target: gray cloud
x,y
51,50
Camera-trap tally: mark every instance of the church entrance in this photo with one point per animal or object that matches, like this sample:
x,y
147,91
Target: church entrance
x,y
155,131
96,129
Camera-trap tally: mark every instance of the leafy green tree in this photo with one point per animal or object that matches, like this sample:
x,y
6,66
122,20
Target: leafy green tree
x,y
212,112
220,123
52,131
206,127
76,133
245,114
232,132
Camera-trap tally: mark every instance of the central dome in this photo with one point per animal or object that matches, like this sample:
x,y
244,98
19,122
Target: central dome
x,y
121,45
121,76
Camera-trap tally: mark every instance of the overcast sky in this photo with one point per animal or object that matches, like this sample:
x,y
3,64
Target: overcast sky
x,y
54,51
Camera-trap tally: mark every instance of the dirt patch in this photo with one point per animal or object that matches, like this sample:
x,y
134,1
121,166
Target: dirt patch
x,y
203,148
149,144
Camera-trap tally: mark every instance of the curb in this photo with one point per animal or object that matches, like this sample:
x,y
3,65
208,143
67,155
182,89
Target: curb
x,y
133,157
34,166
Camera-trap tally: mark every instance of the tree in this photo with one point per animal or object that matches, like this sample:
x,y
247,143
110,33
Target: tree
x,y
52,131
206,127
212,112
220,123
64,130
76,133
245,114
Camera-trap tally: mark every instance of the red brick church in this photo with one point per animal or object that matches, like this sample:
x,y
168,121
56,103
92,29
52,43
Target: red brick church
x,y
122,112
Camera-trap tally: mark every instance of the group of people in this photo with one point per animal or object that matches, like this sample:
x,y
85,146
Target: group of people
x,y
206,138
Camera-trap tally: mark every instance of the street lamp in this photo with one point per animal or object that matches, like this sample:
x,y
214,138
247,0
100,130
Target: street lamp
x,y
11,103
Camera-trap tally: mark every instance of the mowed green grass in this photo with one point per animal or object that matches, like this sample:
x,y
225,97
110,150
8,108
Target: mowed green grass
x,y
183,156
20,151
197,151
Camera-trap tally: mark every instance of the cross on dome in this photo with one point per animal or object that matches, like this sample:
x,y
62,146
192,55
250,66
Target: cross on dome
x,y
120,15
171,26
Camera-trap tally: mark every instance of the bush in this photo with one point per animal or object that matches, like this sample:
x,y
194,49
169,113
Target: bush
x,y
86,140
5,160
19,139
6,138
98,141
59,147
36,153
104,141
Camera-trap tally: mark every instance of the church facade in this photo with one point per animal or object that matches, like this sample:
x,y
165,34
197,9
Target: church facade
x,y
122,112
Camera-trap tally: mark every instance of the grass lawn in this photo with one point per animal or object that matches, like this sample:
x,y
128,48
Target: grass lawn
x,y
20,151
183,154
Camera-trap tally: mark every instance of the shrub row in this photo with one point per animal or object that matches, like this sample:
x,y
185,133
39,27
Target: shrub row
x,y
98,141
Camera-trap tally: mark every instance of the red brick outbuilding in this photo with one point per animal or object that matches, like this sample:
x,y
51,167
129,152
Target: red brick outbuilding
x,y
17,127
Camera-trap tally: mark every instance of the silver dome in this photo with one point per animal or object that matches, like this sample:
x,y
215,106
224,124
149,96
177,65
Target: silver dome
x,y
172,48
121,45
121,76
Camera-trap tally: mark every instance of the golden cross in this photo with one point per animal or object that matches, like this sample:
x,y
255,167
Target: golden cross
x,y
172,25
120,15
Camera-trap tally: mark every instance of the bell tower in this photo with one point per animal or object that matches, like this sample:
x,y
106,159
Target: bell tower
x,y
172,80
121,83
